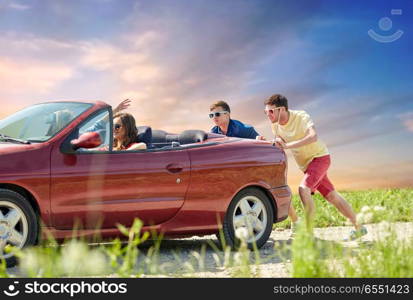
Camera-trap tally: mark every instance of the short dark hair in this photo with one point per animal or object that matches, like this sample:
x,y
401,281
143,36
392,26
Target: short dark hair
x,y
221,103
278,100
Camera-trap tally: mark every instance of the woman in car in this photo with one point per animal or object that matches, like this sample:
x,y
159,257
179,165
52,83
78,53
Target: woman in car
x,y
125,133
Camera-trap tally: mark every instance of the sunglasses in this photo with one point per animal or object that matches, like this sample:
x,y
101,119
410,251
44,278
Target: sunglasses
x,y
117,126
217,114
271,111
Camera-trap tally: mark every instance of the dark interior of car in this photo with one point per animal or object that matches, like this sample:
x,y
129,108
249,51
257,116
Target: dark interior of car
x,y
160,138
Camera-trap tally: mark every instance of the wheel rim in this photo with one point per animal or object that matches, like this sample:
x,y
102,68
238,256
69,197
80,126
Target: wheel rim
x,y
250,213
13,227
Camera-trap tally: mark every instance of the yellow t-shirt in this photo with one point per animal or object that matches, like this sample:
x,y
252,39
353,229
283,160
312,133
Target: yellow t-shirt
x,y
295,129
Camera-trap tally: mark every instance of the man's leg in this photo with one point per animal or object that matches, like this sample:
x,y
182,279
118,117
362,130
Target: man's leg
x,y
292,214
312,178
326,188
343,207
328,191
308,203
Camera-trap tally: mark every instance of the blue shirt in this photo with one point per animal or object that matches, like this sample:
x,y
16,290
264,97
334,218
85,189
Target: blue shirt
x,y
237,129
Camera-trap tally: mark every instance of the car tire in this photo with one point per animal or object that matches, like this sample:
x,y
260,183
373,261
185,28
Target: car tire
x,y
18,224
251,210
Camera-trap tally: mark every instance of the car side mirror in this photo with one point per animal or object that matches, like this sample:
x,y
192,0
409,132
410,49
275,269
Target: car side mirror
x,y
87,140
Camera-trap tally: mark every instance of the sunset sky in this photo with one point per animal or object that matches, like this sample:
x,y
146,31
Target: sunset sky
x,y
176,57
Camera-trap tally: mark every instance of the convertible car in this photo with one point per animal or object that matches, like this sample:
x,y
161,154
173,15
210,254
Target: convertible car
x,y
57,173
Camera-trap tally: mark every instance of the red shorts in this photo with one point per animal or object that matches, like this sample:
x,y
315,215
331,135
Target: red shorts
x,y
315,176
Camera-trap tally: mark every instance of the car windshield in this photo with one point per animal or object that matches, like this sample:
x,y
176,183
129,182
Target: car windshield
x,y
39,123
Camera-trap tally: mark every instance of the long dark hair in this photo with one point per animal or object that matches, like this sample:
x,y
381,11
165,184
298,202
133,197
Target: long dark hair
x,y
128,122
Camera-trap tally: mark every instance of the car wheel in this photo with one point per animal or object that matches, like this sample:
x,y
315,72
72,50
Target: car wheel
x,y
18,224
250,211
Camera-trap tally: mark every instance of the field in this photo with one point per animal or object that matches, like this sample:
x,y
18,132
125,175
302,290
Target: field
x,y
384,252
392,205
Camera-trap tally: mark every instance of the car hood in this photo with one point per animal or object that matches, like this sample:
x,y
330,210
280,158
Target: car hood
x,y
7,148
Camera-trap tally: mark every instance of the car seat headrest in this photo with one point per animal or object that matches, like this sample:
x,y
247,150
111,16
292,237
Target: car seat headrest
x,y
144,135
192,136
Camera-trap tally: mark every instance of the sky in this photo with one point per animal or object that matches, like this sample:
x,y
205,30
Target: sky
x,y
174,58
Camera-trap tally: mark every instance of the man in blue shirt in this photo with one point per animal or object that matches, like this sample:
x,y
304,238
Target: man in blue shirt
x,y
220,113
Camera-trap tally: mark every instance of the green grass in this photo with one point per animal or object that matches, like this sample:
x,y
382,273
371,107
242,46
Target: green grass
x,y
386,257
397,204
389,257
309,256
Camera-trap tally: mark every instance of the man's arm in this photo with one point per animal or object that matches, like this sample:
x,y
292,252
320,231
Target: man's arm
x,y
310,137
98,126
252,134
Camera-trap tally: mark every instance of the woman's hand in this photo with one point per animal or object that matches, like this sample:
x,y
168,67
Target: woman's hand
x,y
122,106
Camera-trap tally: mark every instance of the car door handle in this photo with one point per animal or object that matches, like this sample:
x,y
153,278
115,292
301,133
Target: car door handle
x,y
174,168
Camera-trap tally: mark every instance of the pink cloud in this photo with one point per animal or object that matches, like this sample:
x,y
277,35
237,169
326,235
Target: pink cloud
x,y
25,75
132,64
103,57
407,120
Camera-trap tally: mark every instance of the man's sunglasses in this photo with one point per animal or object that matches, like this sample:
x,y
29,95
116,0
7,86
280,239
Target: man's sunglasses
x,y
271,111
217,114
117,126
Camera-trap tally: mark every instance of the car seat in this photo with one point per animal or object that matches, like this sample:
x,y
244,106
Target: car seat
x,y
144,135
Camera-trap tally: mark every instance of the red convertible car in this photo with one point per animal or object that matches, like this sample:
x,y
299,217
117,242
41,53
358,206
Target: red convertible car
x,y
58,170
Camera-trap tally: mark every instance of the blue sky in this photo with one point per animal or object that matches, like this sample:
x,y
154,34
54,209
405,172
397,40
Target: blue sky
x,y
176,57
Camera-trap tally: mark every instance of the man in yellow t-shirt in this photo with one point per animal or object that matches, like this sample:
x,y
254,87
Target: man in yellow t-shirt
x,y
294,130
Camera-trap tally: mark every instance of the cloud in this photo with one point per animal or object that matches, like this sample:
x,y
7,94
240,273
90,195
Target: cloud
x,y
407,120
367,177
132,67
31,75
18,6
347,138
348,119
105,57
34,68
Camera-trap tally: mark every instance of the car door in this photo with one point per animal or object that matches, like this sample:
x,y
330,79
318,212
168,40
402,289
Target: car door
x,y
98,189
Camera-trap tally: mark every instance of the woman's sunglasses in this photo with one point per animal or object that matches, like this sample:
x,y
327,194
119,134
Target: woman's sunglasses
x,y
217,114
117,126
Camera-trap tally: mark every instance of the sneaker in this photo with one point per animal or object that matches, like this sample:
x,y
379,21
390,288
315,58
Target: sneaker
x,y
355,234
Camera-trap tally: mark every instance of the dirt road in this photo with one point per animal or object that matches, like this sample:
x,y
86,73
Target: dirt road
x,y
273,261
195,257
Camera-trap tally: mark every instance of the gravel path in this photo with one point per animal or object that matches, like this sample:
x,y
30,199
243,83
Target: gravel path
x,y
198,256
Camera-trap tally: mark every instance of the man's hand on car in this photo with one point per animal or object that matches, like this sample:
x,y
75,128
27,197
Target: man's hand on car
x,y
280,143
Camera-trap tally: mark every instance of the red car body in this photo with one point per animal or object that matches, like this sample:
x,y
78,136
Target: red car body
x,y
179,192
